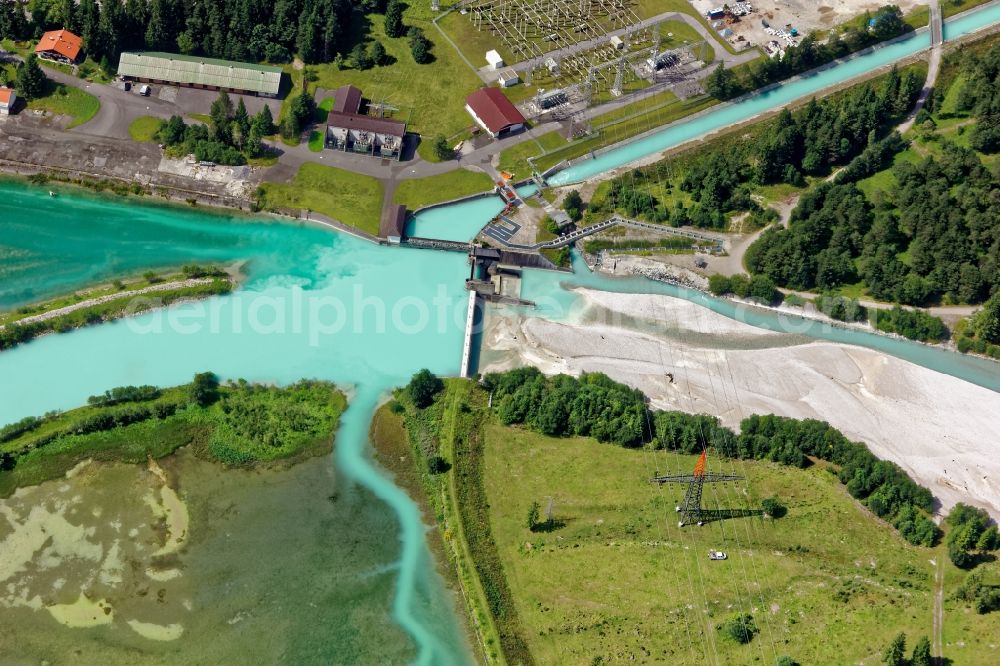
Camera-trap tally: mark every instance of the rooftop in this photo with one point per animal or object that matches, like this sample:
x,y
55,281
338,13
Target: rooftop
x,y
346,99
6,95
366,124
195,70
393,222
63,42
494,109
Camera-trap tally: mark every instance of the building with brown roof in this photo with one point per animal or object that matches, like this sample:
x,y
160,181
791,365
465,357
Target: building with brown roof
x,y
393,224
347,99
59,46
351,131
492,111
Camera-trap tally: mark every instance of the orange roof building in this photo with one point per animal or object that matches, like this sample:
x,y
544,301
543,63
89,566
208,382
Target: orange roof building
x,y
7,100
59,45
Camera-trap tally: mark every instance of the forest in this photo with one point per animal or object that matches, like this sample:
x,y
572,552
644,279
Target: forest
x,y
806,143
930,237
244,30
810,53
596,406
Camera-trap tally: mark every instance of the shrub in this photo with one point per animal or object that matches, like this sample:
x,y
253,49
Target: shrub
x,y
423,387
437,465
533,514
773,508
739,628
204,389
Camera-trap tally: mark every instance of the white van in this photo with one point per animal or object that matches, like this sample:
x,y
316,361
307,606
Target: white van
x,y
145,90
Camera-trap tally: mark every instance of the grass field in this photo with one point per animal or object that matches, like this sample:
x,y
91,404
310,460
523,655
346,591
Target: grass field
x,y
419,192
144,128
618,578
430,97
65,100
348,197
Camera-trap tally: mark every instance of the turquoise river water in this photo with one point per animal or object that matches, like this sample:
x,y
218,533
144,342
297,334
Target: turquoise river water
x,y
324,305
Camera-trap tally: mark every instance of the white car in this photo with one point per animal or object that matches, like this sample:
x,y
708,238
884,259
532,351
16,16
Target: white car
x,y
717,555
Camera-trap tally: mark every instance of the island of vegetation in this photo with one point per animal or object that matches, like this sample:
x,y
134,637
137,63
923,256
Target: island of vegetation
x,y
122,298
238,424
532,501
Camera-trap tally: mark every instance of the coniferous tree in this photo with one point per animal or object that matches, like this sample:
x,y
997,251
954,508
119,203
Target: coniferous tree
x,y
921,653
377,54
263,122
394,19
31,80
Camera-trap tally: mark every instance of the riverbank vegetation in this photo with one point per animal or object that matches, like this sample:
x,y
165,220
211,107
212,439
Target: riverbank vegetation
x,y
105,308
116,286
237,424
642,587
351,198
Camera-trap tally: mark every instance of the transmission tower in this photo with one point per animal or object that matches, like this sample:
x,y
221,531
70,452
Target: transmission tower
x,y
690,508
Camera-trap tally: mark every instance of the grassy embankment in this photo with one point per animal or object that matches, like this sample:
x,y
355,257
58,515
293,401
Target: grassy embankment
x,y
240,425
952,7
612,577
419,192
450,428
609,128
63,100
16,332
351,198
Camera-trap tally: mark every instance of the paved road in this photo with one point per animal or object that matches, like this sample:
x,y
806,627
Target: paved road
x,y
934,65
118,108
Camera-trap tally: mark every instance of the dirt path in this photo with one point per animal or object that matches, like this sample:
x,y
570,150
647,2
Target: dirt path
x,y
937,636
166,286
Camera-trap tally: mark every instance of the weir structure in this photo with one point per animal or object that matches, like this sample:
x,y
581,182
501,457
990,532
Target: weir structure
x,y
690,508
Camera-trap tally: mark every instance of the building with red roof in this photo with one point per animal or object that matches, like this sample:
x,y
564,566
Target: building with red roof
x,y
60,46
492,111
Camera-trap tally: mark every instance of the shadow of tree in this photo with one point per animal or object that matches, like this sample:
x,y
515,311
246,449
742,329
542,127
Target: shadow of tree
x,y
550,525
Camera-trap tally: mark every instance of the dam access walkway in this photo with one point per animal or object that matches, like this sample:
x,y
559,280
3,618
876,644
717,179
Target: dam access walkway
x,y
498,233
